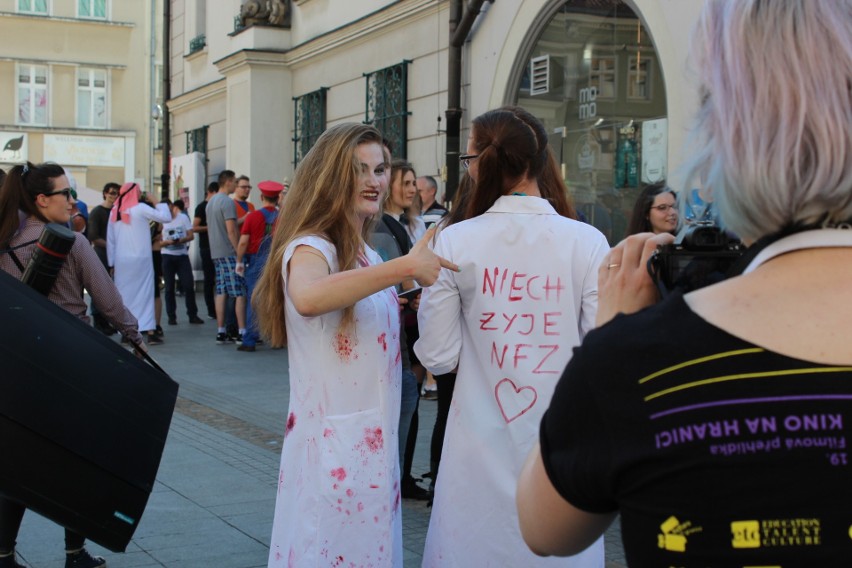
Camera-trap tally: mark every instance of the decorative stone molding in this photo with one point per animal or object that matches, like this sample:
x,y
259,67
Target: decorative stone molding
x,y
265,12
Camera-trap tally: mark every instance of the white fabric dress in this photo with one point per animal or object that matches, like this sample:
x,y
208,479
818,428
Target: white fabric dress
x,y
129,253
338,500
525,296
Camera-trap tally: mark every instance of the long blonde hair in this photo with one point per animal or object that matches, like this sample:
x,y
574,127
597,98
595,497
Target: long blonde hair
x,y
320,202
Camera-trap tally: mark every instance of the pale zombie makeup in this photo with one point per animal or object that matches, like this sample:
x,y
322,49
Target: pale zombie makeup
x,y
662,216
372,182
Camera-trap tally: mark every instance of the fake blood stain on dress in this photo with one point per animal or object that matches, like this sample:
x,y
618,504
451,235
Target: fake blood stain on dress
x,y
339,474
383,341
344,346
291,423
373,439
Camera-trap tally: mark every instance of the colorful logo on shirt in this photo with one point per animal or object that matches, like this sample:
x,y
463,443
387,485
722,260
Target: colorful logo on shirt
x,y
769,533
674,533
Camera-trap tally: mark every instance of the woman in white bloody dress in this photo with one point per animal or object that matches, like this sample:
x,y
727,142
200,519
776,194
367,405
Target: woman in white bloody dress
x,y
526,295
328,296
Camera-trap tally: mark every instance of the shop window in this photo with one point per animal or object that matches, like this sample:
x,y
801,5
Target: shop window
x,y
387,105
92,98
196,140
592,77
32,95
94,9
309,121
33,7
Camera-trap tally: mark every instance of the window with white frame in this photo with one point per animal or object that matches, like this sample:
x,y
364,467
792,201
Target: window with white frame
x,y
96,9
32,7
32,94
91,98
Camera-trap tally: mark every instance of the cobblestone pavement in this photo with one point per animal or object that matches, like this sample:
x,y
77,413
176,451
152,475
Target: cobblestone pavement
x,y
215,492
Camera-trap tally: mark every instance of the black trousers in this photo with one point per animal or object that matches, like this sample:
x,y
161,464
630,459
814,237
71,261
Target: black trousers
x,y
209,270
11,516
446,385
179,265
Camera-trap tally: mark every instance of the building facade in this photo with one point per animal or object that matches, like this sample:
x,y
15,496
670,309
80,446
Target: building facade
x,y
608,78
80,81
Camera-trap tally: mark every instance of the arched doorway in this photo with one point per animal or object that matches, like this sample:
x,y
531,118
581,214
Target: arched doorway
x,y
590,72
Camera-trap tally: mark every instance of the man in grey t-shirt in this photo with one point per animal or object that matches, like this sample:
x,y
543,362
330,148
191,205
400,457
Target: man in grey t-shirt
x,y
224,236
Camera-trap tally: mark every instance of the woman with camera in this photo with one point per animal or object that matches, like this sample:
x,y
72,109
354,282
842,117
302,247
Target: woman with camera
x,y
32,196
716,423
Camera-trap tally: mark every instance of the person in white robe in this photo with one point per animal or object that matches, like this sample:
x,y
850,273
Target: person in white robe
x,y
129,250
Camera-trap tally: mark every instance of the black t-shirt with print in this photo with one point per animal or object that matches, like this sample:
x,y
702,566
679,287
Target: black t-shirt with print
x,y
714,451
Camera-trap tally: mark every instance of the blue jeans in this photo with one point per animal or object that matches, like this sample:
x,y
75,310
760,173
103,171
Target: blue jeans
x,y
254,268
406,411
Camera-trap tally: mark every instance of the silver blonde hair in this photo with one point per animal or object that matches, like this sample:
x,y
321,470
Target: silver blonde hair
x,y
774,132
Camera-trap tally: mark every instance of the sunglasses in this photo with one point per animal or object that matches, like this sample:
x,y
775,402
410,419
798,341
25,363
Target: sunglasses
x,y
66,192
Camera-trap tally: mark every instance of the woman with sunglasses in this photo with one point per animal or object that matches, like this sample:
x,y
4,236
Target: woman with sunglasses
x,y
32,196
655,211
525,296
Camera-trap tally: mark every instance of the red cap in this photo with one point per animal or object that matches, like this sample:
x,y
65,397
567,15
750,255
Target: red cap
x,y
270,188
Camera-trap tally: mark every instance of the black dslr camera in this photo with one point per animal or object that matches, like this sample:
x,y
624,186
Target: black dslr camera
x,y
701,255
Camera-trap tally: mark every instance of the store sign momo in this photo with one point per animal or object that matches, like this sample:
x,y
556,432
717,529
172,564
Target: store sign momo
x,y
588,106
67,149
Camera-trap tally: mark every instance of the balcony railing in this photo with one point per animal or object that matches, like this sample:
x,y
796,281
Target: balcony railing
x,y
197,44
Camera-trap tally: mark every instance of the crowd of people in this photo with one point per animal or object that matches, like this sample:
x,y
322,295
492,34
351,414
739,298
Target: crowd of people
x,y
568,392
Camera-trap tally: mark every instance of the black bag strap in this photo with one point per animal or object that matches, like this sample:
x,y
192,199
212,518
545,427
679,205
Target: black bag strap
x,y
398,232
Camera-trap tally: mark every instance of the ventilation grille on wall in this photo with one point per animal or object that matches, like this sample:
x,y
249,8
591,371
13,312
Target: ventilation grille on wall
x,y
546,76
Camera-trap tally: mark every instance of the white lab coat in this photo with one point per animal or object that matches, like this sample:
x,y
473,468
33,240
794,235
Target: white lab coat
x,y
525,297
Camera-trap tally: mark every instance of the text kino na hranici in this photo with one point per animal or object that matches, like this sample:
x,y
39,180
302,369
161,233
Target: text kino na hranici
x,y
510,351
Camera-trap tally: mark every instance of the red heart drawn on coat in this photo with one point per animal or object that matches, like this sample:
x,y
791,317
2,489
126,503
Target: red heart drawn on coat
x,y
513,402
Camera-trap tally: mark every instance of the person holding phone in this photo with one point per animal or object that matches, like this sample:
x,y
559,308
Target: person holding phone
x,y
329,296
715,424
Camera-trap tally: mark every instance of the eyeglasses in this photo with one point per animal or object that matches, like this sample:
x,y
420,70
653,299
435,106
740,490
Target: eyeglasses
x,y
664,207
244,186
466,158
66,192
112,193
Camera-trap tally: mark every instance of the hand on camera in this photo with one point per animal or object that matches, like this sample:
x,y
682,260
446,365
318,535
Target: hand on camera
x,y
624,285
